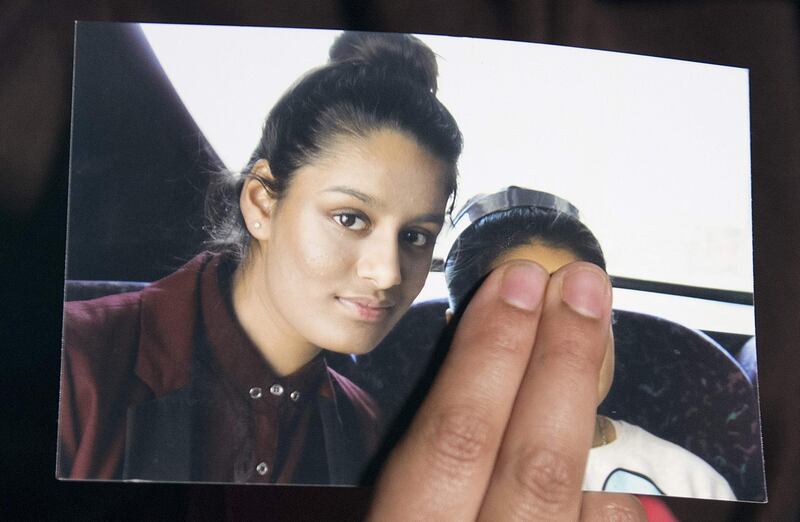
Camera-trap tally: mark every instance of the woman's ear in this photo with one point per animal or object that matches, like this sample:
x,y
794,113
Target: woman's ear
x,y
257,200
448,315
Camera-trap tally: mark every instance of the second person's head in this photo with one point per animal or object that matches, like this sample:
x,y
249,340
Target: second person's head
x,y
521,229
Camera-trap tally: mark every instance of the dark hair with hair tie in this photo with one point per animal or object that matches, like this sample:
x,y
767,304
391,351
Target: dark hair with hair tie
x,y
373,81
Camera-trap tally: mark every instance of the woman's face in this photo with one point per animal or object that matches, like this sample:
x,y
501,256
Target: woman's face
x,y
551,259
348,247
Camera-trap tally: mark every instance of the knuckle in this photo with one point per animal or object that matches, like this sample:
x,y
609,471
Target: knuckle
x,y
615,512
546,482
574,354
503,336
458,440
501,345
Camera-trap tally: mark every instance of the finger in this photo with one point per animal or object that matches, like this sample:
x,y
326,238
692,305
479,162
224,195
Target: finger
x,y
542,459
441,467
611,507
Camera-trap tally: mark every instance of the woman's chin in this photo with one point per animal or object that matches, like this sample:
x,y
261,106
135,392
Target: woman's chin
x,y
348,335
353,344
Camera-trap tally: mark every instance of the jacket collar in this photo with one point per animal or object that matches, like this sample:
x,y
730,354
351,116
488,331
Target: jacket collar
x,y
168,316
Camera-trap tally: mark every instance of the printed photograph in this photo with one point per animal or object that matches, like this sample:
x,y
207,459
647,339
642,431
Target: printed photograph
x,y
272,235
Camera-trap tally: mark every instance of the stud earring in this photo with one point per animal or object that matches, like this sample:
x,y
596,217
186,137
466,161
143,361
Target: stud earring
x,y
257,225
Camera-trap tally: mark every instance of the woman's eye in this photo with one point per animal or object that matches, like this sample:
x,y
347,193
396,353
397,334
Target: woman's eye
x,y
351,221
417,239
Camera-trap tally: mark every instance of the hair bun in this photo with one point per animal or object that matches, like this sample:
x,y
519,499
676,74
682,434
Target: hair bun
x,y
400,54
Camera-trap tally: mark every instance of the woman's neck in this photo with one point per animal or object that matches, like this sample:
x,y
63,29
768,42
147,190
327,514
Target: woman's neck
x,y
280,345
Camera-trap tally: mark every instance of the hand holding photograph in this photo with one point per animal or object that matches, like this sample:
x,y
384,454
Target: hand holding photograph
x,y
274,233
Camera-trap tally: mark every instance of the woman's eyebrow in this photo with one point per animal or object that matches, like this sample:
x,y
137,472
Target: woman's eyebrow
x,y
366,198
434,218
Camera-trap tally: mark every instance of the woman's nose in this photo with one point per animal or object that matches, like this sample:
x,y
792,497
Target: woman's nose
x,y
380,261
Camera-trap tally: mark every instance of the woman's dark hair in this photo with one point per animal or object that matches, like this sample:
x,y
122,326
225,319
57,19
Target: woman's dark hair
x,y
372,81
485,240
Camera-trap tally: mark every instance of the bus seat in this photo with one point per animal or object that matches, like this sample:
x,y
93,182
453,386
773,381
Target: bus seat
x,y
681,385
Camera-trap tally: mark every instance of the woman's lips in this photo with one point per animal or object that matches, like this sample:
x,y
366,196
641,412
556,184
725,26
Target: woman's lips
x,y
365,308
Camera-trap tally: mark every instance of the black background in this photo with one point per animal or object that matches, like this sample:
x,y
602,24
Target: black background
x,y
35,74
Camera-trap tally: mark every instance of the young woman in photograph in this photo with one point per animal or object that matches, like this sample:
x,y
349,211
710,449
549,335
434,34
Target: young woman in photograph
x,y
520,224
217,373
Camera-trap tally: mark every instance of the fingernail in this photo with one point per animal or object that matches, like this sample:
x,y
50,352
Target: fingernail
x,y
585,291
523,285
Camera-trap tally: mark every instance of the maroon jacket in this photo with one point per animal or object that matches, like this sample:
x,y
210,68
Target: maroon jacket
x,y
127,395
